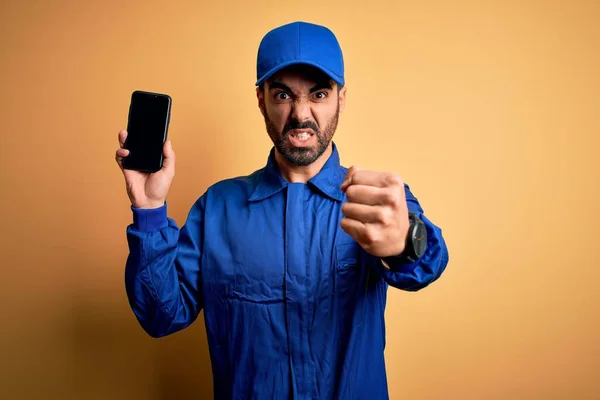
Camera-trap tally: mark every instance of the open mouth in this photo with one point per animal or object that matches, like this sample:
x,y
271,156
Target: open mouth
x,y
298,137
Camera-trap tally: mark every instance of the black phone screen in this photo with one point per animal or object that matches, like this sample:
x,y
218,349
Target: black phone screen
x,y
147,131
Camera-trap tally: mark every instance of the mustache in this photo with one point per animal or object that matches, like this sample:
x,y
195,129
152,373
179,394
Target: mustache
x,y
295,124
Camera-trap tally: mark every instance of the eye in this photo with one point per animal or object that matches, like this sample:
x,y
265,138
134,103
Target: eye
x,y
320,95
282,96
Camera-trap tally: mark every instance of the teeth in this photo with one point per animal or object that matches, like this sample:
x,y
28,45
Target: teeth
x,y
303,136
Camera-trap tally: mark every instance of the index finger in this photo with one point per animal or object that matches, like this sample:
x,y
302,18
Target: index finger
x,y
374,178
122,137
348,179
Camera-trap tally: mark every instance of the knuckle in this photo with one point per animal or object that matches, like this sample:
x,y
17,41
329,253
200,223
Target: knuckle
x,y
370,236
391,198
385,216
394,180
345,208
381,215
351,192
344,225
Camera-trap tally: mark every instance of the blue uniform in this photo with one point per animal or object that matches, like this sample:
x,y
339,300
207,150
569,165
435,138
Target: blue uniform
x,y
293,306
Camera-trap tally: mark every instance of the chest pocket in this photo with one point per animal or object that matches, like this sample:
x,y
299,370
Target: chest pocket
x,y
350,276
347,253
348,256
257,269
348,267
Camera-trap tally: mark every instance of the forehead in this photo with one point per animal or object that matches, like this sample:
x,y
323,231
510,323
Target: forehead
x,y
301,75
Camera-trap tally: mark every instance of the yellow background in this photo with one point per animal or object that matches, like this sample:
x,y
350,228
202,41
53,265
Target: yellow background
x,y
489,111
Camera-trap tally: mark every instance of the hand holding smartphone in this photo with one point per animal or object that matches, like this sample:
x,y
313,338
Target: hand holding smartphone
x,y
145,157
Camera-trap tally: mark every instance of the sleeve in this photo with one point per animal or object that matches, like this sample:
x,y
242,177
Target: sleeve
x,y
163,269
429,267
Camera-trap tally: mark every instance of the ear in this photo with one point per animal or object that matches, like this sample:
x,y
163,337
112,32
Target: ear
x,y
342,99
260,96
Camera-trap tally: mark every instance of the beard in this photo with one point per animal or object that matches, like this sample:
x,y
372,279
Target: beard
x,y
302,156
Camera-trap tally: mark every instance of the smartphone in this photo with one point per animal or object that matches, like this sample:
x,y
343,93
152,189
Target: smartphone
x,y
147,129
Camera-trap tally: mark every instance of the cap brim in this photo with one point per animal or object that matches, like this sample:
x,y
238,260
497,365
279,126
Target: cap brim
x,y
338,79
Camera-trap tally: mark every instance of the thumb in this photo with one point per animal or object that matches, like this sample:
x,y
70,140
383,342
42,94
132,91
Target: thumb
x,y
169,154
348,180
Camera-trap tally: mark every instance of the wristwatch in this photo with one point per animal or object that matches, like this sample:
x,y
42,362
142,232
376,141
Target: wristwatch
x,y
416,242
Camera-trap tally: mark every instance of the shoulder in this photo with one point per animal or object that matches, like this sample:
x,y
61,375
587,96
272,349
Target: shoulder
x,y
235,187
227,193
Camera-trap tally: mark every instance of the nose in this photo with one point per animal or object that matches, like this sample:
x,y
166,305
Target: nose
x,y
301,111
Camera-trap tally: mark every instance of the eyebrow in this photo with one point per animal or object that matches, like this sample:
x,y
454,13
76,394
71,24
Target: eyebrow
x,y
319,86
279,85
282,86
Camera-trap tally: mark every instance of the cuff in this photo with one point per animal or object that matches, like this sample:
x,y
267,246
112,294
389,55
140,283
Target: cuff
x,y
397,264
150,220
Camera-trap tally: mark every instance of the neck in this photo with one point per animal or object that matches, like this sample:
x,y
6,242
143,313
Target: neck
x,y
293,173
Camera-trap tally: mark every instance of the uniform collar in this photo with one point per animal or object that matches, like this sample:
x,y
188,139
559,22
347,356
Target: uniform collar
x,y
327,181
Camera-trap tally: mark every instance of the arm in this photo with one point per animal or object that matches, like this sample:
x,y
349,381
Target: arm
x,y
428,268
163,269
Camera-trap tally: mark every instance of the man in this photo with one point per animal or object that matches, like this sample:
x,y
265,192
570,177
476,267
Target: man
x,y
290,264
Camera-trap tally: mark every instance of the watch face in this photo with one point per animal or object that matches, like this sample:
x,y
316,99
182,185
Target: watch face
x,y
420,238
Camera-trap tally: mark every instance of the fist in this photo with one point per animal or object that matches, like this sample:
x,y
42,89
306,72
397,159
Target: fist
x,y
376,213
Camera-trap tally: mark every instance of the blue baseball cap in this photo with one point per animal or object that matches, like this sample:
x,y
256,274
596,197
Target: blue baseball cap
x,y
300,43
